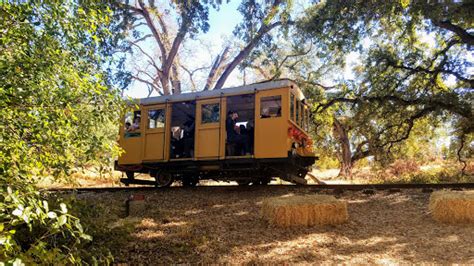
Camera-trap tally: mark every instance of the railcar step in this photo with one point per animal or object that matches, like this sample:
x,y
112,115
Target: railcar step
x,y
315,179
127,181
297,180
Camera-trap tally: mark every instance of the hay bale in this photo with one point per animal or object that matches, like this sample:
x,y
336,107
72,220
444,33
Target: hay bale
x,y
304,210
452,206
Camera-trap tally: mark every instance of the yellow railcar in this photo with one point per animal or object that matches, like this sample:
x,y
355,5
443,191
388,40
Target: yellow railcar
x,y
248,134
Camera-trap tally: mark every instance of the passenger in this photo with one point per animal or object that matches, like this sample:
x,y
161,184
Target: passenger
x,y
243,130
265,113
176,143
136,124
232,136
250,132
188,137
128,127
176,133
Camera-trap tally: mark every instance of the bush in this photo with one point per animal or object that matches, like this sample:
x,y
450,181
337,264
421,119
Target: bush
x,y
411,173
43,230
36,230
403,167
55,108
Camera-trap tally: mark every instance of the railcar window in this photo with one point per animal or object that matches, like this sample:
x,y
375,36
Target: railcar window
x,y
210,113
270,106
297,119
156,118
292,106
132,124
307,119
303,117
301,109
182,129
244,107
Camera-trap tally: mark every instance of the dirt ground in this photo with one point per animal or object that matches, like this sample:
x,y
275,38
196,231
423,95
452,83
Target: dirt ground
x,y
223,225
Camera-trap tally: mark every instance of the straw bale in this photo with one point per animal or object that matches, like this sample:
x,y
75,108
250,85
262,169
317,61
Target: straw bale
x,y
304,210
452,206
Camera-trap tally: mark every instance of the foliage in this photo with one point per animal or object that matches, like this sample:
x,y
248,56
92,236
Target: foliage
x,y
413,70
406,171
54,101
98,220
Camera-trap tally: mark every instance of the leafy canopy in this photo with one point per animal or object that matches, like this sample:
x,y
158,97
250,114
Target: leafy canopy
x,y
414,64
54,101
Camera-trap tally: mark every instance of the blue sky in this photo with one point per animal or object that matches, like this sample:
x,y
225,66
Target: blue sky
x,y
222,23
224,20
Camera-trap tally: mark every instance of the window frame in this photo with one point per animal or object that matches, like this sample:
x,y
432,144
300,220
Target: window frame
x,y
307,119
303,117
202,122
136,132
298,114
277,98
292,106
163,109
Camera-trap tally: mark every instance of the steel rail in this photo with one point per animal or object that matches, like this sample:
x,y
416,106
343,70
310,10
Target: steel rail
x,y
337,187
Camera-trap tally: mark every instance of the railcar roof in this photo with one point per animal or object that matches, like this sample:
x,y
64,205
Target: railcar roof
x,y
261,86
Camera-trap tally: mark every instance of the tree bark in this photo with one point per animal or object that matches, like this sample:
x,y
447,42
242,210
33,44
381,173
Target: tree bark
x,y
340,133
216,69
264,29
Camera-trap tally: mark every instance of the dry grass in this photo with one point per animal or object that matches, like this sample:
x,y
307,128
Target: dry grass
x,y
306,210
223,225
452,206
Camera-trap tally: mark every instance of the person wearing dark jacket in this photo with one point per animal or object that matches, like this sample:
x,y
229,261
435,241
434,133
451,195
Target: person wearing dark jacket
x,y
232,136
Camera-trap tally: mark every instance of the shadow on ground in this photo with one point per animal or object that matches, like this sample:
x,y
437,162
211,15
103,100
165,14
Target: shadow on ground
x,y
223,225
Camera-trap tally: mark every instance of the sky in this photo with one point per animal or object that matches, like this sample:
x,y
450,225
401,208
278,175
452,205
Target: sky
x,y
222,23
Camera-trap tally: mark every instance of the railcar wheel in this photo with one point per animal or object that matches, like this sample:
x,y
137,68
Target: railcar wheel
x,y
190,181
265,180
163,179
302,174
262,181
243,182
130,175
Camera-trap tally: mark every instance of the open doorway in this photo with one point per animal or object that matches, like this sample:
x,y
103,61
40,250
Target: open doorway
x,y
183,115
240,131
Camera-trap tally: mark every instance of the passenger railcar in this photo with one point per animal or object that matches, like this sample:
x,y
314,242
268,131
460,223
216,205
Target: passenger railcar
x,y
185,137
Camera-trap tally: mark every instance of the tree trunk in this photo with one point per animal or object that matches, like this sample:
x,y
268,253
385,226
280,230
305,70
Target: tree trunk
x,y
165,84
264,29
340,133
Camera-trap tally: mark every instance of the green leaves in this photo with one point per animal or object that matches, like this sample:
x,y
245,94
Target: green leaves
x,y
56,113
413,72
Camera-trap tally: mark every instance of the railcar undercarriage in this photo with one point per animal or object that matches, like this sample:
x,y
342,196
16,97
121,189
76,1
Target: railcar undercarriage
x,y
243,170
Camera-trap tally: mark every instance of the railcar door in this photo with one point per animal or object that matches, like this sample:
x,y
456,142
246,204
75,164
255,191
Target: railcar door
x,y
271,126
131,138
154,129
208,129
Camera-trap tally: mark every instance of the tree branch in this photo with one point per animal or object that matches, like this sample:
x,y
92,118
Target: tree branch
x,y
183,29
152,61
148,83
191,73
153,29
435,71
261,71
216,68
264,29
288,57
465,36
464,112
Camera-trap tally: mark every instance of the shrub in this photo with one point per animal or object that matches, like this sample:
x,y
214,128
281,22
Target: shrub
x,y
55,106
403,167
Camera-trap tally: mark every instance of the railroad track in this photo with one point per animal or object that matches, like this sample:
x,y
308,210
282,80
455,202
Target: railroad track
x,y
335,187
